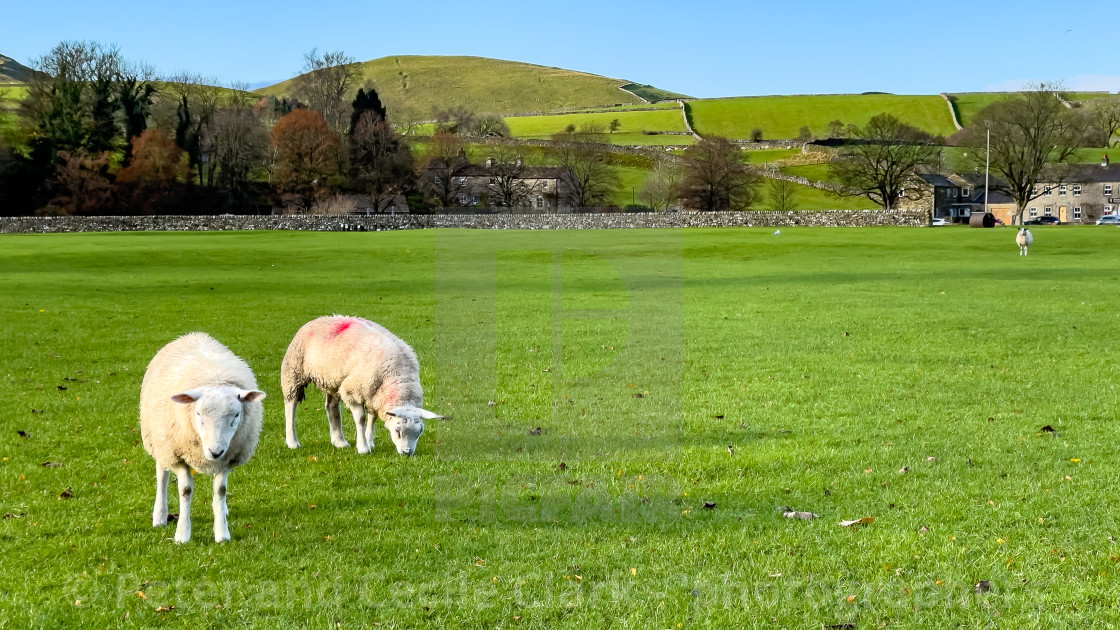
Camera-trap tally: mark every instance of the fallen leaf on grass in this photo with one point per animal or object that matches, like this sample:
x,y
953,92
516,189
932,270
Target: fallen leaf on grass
x,y
1047,429
50,464
983,586
536,431
141,595
165,608
67,493
562,466
8,515
903,470
709,505
790,512
24,434
851,598
867,520
838,626
931,459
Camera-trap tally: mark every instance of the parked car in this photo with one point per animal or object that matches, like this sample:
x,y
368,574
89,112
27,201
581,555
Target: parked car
x,y
1043,221
1109,219
938,221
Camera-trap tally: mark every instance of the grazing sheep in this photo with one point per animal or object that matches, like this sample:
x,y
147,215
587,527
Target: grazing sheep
x,y
200,409
1024,239
366,367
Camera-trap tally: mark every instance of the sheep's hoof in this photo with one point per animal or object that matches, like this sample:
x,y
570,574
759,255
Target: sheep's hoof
x,y
363,451
340,443
293,443
157,522
182,539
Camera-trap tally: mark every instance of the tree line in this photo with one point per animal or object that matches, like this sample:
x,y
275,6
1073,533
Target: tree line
x,y
98,134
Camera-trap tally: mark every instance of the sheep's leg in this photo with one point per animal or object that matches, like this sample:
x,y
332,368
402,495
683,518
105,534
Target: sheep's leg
x,y
359,413
334,419
221,510
186,488
290,422
159,513
370,416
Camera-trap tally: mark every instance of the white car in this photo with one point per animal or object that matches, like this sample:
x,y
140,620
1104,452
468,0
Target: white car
x,y
1109,219
938,221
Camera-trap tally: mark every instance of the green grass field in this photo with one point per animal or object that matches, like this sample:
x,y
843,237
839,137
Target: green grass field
x,y
970,103
781,117
852,374
419,83
629,122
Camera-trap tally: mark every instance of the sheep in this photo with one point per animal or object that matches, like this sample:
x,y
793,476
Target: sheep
x,y
200,409
1024,239
364,366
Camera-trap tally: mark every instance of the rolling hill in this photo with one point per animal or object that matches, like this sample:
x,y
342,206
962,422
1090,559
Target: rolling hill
x,y
419,83
12,71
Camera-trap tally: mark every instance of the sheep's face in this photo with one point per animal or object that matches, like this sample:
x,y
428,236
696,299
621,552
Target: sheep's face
x,y
405,425
216,415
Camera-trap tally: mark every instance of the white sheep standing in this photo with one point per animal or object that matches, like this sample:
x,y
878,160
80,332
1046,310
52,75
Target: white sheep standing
x,y
200,409
364,366
1023,239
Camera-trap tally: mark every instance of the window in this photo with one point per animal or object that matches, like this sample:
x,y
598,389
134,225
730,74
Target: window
x,y
1062,190
435,178
1077,212
1077,190
1108,190
540,201
545,187
964,192
1048,211
1046,190
474,200
462,180
1034,212
463,199
953,193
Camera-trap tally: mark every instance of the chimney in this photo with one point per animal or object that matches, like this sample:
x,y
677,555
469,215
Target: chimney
x,y
1104,160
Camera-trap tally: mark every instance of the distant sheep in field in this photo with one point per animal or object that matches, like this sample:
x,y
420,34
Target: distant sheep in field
x,y
364,366
200,409
1023,239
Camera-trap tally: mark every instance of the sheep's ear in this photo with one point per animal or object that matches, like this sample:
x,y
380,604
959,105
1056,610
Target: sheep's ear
x,y
427,415
187,397
397,411
250,395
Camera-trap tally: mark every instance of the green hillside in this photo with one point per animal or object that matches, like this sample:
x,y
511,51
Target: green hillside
x,y
419,83
781,117
651,93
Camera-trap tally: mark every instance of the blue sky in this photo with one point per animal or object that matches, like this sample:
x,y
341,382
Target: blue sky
x,y
700,48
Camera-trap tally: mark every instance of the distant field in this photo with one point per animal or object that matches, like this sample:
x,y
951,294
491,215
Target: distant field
x,y
614,108
769,155
630,122
967,105
419,83
636,139
781,117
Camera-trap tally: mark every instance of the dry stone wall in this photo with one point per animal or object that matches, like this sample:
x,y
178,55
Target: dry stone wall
x,y
372,223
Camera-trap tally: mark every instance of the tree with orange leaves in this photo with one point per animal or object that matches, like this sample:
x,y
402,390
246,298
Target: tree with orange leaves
x,y
306,156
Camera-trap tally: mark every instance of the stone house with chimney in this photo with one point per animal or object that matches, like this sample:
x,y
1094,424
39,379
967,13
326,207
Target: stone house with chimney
x,y
516,185
1077,193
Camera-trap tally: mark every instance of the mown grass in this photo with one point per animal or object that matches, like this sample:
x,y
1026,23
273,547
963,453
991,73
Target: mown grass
x,y
419,83
781,117
629,122
830,360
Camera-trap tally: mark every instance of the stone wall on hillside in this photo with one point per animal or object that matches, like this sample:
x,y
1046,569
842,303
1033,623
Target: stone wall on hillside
x,y
371,223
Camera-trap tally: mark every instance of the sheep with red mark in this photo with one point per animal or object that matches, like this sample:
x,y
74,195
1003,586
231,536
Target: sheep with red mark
x,y
364,366
200,409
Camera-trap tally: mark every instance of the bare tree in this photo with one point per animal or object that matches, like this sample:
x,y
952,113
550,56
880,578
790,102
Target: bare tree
x,y
883,164
835,129
458,119
380,162
1028,131
662,187
783,195
1105,116
489,125
195,100
507,185
588,177
714,178
240,144
326,85
442,169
